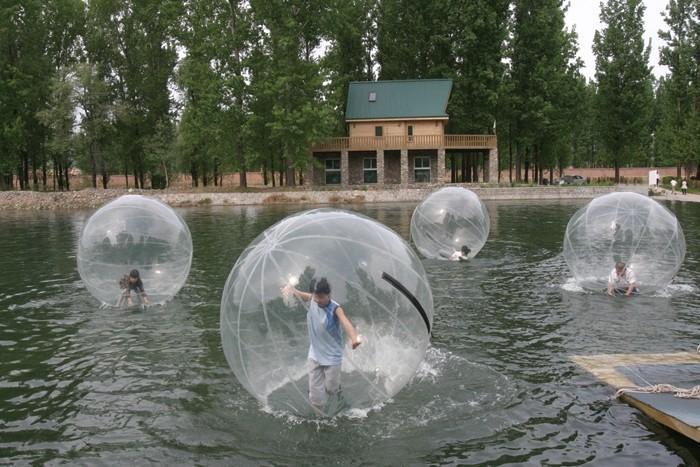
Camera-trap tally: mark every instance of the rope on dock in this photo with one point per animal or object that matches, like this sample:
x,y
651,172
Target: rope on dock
x,y
682,393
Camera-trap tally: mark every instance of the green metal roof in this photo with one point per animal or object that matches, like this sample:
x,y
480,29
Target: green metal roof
x,y
416,98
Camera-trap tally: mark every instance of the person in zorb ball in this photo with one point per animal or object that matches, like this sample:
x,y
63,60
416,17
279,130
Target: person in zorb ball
x,y
624,243
451,224
132,245
326,311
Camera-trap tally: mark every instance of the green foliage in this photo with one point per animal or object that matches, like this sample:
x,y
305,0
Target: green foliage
x,y
547,92
206,86
678,95
624,100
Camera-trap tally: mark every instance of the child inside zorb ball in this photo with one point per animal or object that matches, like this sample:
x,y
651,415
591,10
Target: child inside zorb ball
x,y
297,300
625,244
324,320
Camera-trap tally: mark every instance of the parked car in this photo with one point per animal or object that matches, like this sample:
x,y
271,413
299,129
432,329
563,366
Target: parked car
x,y
572,180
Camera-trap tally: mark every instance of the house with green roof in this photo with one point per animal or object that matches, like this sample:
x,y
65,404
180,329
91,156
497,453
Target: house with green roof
x,y
396,135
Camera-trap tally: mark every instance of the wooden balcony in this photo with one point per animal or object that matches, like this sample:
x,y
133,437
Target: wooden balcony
x,y
372,143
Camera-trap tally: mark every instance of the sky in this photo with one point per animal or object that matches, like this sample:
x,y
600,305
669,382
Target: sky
x,y
584,15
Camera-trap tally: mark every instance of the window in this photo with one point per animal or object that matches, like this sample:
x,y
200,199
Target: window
x,y
410,132
421,169
373,97
370,169
378,130
332,171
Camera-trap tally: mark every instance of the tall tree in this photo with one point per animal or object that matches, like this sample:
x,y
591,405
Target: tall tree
x,y
679,136
545,77
216,35
350,28
139,58
624,98
93,101
414,39
25,71
291,34
479,31
59,119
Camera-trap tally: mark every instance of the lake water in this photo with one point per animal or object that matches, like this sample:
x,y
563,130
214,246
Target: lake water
x,y
85,385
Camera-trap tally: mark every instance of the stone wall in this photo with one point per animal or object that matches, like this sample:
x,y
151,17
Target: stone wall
x,y
29,200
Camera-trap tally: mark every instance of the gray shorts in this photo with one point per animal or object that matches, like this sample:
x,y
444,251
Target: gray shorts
x,y
323,380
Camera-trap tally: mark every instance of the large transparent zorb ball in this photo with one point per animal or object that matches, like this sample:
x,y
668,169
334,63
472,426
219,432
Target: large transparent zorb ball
x,y
134,232
448,220
629,228
374,276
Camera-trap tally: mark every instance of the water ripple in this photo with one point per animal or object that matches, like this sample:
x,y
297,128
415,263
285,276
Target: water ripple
x,y
80,384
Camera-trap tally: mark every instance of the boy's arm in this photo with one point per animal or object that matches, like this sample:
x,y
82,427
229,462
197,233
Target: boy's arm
x,y
348,327
297,293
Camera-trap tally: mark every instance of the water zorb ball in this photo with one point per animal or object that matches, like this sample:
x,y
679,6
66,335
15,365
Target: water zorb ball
x,y
628,228
447,220
134,232
374,276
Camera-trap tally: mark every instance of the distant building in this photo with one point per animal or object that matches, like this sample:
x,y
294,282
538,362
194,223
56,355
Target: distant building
x,y
397,136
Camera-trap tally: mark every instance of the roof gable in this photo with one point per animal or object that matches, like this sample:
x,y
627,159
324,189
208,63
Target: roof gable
x,y
419,98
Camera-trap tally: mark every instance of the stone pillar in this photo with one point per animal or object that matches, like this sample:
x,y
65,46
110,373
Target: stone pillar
x,y
404,167
493,166
344,168
440,166
380,166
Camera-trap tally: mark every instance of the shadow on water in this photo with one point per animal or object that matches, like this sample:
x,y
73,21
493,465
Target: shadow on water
x,y
100,386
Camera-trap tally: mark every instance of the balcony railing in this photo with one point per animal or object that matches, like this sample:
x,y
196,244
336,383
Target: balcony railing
x,y
370,143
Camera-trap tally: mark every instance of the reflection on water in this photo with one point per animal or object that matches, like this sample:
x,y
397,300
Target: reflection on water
x,y
90,386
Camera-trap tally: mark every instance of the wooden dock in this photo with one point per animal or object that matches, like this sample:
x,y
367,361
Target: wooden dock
x,y
640,370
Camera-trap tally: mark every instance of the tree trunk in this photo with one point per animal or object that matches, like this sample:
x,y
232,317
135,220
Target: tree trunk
x,y
43,172
216,172
93,165
193,174
67,174
527,171
244,177
25,170
59,177
35,178
126,172
518,163
510,159
105,176
264,173
136,176
617,171
165,173
142,174
289,175
678,170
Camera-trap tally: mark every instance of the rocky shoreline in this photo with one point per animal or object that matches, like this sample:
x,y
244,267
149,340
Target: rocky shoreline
x,y
92,199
